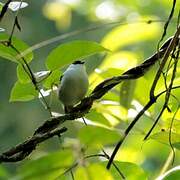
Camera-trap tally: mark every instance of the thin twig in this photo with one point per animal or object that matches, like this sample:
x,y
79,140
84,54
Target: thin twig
x,y
30,73
4,9
14,24
168,92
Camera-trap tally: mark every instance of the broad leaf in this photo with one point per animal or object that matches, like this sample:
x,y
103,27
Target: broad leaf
x,y
94,136
24,78
48,167
69,52
92,172
10,53
23,92
22,75
129,170
126,93
163,137
94,116
131,33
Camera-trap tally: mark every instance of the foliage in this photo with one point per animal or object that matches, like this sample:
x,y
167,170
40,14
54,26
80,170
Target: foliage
x,y
85,151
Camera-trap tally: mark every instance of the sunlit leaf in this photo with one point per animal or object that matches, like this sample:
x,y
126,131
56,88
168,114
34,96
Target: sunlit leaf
x,y
90,173
113,112
71,51
10,53
109,72
126,93
23,92
123,60
94,116
130,171
94,136
175,125
48,167
95,79
163,137
22,75
142,90
131,33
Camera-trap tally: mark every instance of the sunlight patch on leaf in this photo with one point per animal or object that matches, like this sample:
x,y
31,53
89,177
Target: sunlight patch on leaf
x,y
123,60
90,172
131,33
131,155
131,171
94,116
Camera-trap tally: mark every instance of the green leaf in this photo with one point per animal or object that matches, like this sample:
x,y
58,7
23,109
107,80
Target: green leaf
x,y
69,52
126,93
163,137
23,92
90,173
11,54
97,117
53,78
96,137
131,33
172,174
131,171
22,75
122,60
48,167
3,173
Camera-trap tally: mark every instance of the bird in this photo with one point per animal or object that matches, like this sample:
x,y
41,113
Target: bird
x,y
73,85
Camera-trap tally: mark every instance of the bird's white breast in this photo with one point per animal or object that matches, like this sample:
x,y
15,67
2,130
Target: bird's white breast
x,y
74,85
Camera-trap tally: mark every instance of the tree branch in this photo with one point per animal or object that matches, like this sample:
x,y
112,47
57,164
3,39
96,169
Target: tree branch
x,y
22,150
48,128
